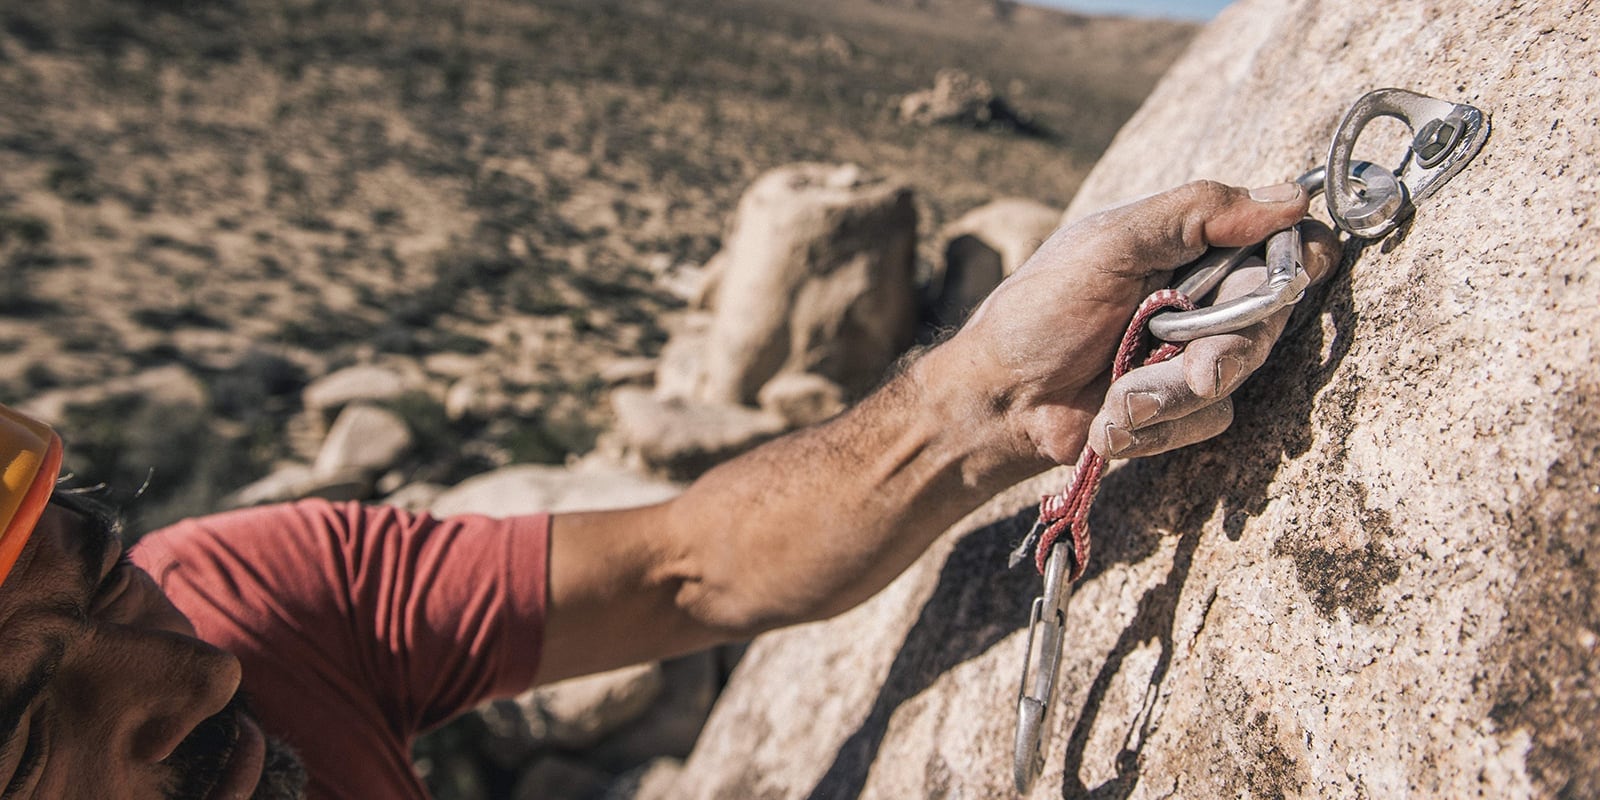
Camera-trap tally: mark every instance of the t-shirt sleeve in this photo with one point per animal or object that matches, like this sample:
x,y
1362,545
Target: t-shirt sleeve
x,y
427,616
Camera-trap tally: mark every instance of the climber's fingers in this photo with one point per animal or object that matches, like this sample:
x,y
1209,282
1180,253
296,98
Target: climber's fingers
x,y
1157,408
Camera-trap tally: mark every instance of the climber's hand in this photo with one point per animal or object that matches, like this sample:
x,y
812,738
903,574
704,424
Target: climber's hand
x,y
1038,351
1186,400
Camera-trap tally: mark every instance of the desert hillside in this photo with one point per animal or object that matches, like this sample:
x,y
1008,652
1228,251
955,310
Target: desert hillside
x,y
205,206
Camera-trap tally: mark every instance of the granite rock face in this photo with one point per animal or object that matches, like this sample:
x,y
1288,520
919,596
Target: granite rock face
x,y
1382,581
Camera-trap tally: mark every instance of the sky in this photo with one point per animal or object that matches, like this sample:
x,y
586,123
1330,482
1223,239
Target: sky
x,y
1177,9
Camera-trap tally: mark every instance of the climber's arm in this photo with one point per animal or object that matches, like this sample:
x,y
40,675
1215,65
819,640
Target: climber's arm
x,y
816,522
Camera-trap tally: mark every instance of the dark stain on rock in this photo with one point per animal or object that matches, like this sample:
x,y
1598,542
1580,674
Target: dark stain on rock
x,y
1544,669
1274,774
1329,564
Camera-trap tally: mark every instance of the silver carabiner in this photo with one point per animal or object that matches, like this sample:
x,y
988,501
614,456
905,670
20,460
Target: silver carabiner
x,y
1445,136
1049,613
1286,282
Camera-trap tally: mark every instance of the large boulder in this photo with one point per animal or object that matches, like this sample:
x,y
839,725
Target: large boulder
x,y
1381,582
816,276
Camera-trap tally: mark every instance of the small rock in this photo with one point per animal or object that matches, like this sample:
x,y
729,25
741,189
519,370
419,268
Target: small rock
x,y
577,713
681,369
629,372
816,276
653,780
297,481
671,725
352,384
482,396
169,386
802,398
414,496
534,488
961,99
684,438
363,439
556,776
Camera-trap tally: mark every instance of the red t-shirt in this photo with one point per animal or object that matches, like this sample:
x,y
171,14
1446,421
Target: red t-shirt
x,y
359,627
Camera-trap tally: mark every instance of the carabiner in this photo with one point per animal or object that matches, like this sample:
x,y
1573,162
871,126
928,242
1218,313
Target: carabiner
x,y
1050,612
1286,282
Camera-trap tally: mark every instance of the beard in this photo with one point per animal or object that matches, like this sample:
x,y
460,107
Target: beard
x,y
199,761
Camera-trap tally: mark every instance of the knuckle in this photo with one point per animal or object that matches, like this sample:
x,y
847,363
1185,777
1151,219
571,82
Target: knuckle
x,y
1197,201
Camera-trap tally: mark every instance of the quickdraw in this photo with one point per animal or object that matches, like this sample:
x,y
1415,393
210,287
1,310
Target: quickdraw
x,y
1364,200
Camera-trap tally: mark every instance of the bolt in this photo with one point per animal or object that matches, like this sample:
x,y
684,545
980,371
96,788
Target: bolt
x,y
1434,141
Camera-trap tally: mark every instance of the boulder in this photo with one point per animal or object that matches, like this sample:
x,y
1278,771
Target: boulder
x,y
1381,582
363,439
570,714
559,776
361,383
480,396
682,366
534,488
980,249
296,481
816,276
683,438
802,398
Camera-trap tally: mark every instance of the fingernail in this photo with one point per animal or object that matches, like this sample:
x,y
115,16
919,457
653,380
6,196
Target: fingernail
x,y
1142,406
1227,371
1118,438
1276,193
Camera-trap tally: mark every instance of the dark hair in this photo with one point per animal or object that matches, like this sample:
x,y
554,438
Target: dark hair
x,y
91,503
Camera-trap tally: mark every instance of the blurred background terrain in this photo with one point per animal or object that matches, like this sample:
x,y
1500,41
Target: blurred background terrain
x,y
232,198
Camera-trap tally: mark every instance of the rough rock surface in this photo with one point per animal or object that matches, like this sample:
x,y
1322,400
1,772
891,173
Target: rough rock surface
x,y
816,277
1381,582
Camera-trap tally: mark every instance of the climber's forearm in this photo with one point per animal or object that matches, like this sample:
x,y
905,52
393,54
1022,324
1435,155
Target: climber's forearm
x,y
799,529
815,523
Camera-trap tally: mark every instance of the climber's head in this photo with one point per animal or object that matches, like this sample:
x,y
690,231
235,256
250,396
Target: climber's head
x,y
105,689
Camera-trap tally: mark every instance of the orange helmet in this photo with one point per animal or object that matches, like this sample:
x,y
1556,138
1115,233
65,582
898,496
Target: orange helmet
x,y
30,461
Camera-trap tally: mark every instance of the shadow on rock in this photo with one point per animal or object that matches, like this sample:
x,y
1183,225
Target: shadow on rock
x,y
1180,491
977,603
